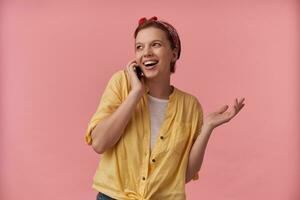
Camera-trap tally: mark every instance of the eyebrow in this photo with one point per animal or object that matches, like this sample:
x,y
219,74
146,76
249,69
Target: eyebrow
x,y
151,41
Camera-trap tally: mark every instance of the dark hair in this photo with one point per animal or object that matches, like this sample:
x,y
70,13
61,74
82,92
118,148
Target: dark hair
x,y
152,23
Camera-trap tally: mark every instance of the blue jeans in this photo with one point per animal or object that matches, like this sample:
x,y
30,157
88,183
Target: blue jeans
x,y
101,196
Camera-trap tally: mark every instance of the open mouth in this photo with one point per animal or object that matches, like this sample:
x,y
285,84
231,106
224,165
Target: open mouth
x,y
150,64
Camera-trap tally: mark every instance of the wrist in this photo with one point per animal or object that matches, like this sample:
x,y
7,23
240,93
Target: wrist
x,y
136,94
207,129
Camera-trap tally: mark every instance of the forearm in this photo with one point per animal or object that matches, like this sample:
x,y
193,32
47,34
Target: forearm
x,y
197,153
107,133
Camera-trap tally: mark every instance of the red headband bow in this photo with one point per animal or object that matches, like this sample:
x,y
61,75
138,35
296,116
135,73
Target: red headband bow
x,y
144,19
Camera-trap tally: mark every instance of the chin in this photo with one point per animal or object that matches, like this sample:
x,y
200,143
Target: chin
x,y
151,75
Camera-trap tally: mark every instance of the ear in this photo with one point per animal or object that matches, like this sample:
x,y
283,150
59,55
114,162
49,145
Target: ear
x,y
175,54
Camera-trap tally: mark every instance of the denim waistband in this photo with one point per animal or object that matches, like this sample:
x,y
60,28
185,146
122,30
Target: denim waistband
x,y
101,196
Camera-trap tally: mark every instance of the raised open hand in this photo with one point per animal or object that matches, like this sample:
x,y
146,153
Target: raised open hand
x,y
214,119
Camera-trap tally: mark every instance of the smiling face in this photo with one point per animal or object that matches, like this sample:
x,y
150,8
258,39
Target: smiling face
x,y
151,44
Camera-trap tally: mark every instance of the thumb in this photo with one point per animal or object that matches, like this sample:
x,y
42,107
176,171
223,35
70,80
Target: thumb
x,y
146,89
222,109
142,80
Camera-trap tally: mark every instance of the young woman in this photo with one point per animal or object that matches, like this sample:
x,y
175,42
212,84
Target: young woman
x,y
151,135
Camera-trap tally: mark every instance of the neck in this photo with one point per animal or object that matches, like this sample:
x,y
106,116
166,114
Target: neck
x,y
161,90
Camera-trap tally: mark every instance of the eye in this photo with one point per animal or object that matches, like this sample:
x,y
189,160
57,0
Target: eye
x,y
156,44
138,47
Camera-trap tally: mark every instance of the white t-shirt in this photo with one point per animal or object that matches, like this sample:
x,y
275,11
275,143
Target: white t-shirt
x,y
157,108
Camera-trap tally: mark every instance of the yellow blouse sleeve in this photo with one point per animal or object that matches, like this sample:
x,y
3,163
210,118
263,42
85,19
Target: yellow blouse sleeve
x,y
111,99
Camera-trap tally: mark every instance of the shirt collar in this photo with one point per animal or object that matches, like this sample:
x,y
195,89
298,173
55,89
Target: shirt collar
x,y
171,96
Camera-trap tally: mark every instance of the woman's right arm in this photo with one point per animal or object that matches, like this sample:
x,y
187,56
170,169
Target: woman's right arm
x,y
107,133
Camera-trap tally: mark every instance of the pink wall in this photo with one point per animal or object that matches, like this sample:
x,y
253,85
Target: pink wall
x,y
56,58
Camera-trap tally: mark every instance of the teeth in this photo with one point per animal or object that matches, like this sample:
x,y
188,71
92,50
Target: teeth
x,y
150,62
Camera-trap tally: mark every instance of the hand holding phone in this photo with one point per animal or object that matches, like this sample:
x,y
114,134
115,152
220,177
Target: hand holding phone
x,y
136,74
138,71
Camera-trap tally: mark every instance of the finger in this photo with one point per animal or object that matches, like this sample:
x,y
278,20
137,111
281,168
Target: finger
x,y
129,70
239,103
222,109
131,67
240,108
131,62
236,105
236,108
143,81
242,100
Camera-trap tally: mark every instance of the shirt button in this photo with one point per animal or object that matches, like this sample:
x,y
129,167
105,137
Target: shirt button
x,y
161,137
144,178
153,160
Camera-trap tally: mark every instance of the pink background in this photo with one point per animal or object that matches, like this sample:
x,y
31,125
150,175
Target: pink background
x,y
57,56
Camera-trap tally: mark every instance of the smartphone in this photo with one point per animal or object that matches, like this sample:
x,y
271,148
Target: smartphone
x,y
138,72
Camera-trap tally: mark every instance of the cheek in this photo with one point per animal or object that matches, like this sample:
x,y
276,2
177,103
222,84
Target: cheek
x,y
137,57
166,58
163,54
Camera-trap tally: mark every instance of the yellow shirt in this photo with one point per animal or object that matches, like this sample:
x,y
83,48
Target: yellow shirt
x,y
129,170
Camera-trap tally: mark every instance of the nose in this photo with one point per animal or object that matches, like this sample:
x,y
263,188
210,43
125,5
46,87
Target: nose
x,y
147,52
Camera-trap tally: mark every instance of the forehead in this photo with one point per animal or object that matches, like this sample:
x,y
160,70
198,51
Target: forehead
x,y
149,34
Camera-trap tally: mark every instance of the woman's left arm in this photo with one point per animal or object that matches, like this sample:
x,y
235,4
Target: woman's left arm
x,y
210,122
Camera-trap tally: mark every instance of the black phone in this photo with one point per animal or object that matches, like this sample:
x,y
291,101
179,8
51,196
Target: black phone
x,y
138,71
